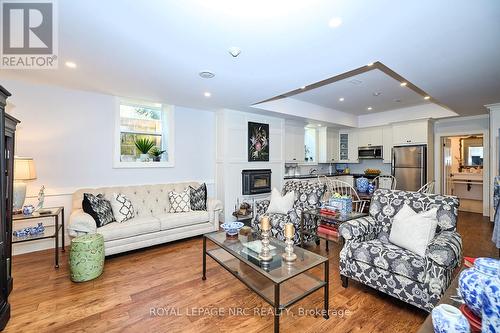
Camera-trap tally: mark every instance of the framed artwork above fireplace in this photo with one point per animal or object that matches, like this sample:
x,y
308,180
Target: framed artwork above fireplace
x,y
258,142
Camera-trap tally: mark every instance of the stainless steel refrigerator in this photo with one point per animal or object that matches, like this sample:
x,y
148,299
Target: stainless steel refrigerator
x,y
409,166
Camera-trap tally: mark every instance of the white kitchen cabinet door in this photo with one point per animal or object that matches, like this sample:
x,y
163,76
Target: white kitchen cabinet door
x,y
353,147
364,137
387,144
289,143
347,179
299,144
333,145
410,133
368,137
294,144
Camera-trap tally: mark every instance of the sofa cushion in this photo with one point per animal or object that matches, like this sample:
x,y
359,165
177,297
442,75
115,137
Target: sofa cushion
x,y
179,202
133,227
99,208
176,220
198,197
388,257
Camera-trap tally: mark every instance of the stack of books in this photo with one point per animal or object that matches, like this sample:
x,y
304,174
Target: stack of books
x,y
328,211
328,230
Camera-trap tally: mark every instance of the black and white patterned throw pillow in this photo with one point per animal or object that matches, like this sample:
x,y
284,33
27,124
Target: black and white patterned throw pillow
x,y
99,208
198,197
122,208
179,202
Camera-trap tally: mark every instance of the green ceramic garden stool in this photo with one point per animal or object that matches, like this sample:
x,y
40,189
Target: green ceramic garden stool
x,y
86,257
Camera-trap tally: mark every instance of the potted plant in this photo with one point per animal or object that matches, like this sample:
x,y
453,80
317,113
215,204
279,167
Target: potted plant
x,y
156,153
144,145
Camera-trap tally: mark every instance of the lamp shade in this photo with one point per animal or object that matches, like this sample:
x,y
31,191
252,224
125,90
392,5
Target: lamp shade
x,y
24,168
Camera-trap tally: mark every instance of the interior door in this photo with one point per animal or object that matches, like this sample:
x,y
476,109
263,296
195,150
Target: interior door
x,y
446,180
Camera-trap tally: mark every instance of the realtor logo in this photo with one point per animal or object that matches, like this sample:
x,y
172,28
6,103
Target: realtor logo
x,y
29,34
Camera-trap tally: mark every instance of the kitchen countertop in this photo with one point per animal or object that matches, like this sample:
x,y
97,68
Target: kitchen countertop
x,y
355,175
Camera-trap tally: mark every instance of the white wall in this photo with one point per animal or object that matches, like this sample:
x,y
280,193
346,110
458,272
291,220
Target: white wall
x,y
232,147
461,126
494,148
69,134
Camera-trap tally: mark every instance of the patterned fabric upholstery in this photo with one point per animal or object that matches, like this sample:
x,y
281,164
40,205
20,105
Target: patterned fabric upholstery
x,y
307,196
369,257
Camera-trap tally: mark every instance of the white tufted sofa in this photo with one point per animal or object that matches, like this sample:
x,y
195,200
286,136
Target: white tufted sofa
x,y
152,225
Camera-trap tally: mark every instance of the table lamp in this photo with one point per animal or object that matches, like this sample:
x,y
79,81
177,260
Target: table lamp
x,y
24,169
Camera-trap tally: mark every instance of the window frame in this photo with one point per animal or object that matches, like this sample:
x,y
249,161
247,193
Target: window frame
x,y
169,114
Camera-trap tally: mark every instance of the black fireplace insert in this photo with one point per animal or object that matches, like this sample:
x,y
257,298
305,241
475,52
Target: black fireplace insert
x,y
256,181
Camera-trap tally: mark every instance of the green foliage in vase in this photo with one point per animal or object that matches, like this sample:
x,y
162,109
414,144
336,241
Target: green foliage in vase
x,y
156,152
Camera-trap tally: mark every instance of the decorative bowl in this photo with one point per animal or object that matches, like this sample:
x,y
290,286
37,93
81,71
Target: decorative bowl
x,y
232,228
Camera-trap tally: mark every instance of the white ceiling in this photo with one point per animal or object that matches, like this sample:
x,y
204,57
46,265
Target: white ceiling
x,y
373,89
155,49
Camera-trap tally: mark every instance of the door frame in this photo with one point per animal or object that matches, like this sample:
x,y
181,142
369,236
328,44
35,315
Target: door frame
x,y
438,167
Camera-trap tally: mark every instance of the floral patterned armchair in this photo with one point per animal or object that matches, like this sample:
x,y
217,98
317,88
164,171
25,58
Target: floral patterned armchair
x,y
307,196
368,257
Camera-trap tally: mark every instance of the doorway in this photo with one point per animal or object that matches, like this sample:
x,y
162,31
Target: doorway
x,y
462,165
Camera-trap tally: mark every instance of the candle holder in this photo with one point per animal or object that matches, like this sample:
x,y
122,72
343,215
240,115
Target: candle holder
x,y
265,252
289,256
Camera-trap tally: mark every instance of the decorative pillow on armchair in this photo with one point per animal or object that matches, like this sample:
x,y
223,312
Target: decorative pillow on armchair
x,y
122,208
413,231
280,204
179,202
99,208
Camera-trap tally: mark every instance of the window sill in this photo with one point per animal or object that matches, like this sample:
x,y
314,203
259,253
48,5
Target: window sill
x,y
142,165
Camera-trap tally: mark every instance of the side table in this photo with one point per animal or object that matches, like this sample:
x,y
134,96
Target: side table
x,y
51,231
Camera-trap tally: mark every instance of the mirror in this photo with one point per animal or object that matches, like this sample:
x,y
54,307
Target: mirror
x,y
471,151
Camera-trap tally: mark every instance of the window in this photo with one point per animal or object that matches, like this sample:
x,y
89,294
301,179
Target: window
x,y
310,144
144,135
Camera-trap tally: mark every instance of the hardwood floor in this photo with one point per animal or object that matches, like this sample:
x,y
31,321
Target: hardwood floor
x,y
168,277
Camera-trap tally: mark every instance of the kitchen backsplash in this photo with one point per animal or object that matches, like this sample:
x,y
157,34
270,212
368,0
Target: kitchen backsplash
x,y
355,167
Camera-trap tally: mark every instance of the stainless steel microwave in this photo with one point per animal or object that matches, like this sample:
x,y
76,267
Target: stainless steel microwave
x,y
371,152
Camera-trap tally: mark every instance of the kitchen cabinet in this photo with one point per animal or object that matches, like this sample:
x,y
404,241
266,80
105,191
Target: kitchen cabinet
x,y
415,132
328,147
387,144
371,136
294,143
348,146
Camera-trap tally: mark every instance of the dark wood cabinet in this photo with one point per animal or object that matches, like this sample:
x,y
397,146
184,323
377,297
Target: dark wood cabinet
x,y
7,135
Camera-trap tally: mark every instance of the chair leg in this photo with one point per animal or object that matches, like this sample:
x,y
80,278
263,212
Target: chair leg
x,y
345,281
317,241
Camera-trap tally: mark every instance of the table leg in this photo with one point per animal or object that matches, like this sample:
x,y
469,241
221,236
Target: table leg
x,y
62,229
277,310
327,280
204,277
56,249
326,240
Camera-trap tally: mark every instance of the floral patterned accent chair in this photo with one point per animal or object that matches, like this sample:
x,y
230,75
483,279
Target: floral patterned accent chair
x,y
307,196
368,257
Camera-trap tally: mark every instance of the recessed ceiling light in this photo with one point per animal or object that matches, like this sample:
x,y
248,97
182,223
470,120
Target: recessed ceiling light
x,y
70,64
341,99
397,100
403,84
377,93
319,125
303,87
335,22
369,64
234,51
427,97
356,82
207,94
369,108
206,74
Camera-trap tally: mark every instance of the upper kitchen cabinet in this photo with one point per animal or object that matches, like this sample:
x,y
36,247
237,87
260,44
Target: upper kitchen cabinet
x,y
294,143
387,143
348,146
371,136
408,133
328,146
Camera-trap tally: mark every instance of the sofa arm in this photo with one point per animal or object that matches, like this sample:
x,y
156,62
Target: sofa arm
x,y
445,249
359,230
81,223
214,204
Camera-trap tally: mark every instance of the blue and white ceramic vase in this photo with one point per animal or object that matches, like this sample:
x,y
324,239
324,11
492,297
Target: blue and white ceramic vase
x,y
449,319
490,298
371,188
472,281
362,184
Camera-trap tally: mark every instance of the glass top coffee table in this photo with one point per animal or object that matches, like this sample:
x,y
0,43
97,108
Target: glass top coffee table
x,y
279,283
